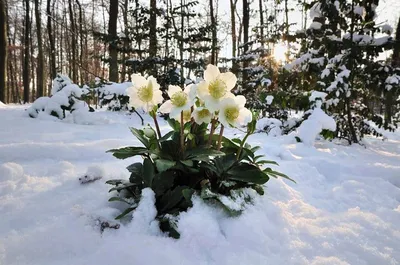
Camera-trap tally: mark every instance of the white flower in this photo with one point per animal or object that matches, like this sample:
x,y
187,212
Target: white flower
x,y
145,93
202,115
233,113
179,100
187,116
215,87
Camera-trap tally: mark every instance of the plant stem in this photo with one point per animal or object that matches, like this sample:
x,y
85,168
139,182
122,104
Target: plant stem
x,y
211,131
156,124
241,146
221,132
182,134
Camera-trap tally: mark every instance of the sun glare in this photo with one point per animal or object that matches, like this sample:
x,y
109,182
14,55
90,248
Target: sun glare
x,y
279,52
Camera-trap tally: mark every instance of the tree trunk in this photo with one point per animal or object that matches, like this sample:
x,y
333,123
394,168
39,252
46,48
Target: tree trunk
x,y
26,69
3,51
234,36
214,35
80,34
260,3
52,48
246,22
112,46
73,42
153,29
40,58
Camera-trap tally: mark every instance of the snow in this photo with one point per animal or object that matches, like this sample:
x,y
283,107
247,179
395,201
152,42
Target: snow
x,y
317,95
315,25
313,126
344,209
269,99
2,105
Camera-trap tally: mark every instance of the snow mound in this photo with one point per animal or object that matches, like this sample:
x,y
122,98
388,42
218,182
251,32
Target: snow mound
x,y
144,215
11,171
2,105
271,125
316,122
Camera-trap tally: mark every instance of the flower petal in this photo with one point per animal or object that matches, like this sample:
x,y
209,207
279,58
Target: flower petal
x,y
191,91
229,79
240,100
245,116
173,89
202,89
211,73
138,80
166,107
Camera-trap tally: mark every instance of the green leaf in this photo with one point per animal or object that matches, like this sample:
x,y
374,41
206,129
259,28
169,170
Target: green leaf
x,y
261,162
164,164
171,199
135,168
247,173
276,174
201,152
163,181
116,181
166,136
148,172
114,199
188,163
188,193
123,186
125,152
128,210
140,136
174,124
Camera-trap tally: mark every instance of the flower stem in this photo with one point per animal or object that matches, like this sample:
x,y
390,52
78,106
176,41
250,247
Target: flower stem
x,y
221,132
213,122
156,124
182,134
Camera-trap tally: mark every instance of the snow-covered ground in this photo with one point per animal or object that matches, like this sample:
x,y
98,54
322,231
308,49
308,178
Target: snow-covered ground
x,y
344,209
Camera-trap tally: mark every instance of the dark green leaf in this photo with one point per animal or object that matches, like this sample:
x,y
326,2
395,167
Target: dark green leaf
x,y
125,152
164,164
162,182
171,199
148,172
247,173
276,174
128,210
140,136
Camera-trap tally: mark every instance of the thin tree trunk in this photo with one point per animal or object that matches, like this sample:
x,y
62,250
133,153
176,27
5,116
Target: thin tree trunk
x,y
153,29
40,58
260,3
80,34
73,42
246,21
213,34
112,46
234,37
26,69
3,51
52,48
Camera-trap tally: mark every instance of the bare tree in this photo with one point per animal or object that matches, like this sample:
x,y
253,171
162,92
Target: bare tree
x,y
214,34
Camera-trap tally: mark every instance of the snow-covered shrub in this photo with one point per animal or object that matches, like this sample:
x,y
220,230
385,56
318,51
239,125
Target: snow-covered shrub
x,y
191,160
66,96
113,95
316,120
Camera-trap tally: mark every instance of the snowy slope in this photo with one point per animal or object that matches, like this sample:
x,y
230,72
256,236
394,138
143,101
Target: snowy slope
x,y
344,209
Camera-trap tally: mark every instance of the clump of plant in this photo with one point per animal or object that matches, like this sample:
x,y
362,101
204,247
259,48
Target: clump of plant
x,y
194,158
